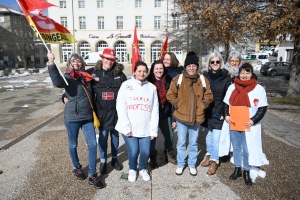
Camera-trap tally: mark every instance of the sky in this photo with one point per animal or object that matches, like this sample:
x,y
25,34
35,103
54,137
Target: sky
x,y
13,4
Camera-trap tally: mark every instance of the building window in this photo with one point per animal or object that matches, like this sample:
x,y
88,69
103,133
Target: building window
x,y
37,60
100,22
82,24
138,22
155,50
156,22
45,50
1,18
175,22
138,3
37,50
81,4
62,4
175,3
66,51
157,3
63,21
119,22
100,4
142,50
14,19
121,51
16,32
3,32
84,48
45,60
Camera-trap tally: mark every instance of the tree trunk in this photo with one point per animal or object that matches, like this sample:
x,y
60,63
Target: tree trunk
x,y
226,52
294,84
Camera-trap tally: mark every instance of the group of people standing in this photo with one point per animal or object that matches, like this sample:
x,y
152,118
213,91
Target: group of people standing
x,y
170,96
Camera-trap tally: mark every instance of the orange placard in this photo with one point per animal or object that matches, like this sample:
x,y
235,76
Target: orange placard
x,y
239,115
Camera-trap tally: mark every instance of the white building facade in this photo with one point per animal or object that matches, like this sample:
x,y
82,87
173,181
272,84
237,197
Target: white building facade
x,y
97,24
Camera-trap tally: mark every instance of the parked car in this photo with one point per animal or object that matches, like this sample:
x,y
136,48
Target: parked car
x,y
287,72
263,57
274,68
275,53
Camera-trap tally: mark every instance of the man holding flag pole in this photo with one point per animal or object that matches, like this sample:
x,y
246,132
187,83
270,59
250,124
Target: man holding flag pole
x,y
78,112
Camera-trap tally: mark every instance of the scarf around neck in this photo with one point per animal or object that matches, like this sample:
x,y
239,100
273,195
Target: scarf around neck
x,y
161,89
192,78
80,75
239,96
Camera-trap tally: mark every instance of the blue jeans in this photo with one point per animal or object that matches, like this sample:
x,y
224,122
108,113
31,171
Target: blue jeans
x,y
135,147
240,149
166,129
193,132
103,136
88,130
212,143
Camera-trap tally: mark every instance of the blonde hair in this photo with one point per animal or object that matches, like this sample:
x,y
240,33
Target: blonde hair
x,y
214,55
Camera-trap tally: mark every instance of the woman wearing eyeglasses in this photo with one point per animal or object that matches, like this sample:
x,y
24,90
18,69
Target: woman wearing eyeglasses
x,y
233,64
220,80
189,99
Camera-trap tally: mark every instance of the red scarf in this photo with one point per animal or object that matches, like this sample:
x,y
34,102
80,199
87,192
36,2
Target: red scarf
x,y
161,90
80,75
239,96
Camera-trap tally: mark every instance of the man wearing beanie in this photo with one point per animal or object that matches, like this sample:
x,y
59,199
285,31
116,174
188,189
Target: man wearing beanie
x,y
189,99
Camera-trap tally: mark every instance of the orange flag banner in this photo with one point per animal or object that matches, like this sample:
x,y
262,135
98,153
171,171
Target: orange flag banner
x,y
163,49
50,30
136,56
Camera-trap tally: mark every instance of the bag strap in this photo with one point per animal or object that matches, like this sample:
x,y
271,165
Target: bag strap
x,y
86,92
200,76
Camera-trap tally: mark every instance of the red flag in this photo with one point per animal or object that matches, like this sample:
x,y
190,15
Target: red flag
x,y
50,30
136,56
163,49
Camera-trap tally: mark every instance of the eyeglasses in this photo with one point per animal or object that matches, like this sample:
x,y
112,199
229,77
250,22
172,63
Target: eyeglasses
x,y
234,61
213,62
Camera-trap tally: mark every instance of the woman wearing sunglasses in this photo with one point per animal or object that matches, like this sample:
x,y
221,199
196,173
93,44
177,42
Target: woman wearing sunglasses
x,y
220,80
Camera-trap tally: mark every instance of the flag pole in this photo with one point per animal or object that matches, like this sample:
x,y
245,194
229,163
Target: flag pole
x,y
42,39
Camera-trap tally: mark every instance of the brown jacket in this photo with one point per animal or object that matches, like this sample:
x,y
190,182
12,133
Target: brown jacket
x,y
189,102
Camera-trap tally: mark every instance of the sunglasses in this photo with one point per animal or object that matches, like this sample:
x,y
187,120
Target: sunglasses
x,y
213,62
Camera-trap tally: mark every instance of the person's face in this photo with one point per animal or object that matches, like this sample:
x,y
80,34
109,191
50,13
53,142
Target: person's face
x,y
141,73
244,75
107,64
234,62
76,64
191,69
158,71
215,64
167,60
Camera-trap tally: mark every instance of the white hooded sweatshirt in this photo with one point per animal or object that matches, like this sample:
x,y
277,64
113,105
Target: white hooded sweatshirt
x,y
138,109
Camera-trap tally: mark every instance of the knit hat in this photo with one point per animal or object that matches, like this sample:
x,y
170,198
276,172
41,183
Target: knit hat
x,y
191,58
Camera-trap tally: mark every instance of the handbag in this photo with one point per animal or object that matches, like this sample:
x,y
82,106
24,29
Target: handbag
x,y
95,118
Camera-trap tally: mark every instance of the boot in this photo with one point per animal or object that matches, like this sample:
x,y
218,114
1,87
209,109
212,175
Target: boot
x,y
153,163
237,173
247,178
103,168
205,162
170,157
115,163
213,166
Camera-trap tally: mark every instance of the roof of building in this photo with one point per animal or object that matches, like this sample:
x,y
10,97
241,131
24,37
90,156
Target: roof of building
x,y
5,9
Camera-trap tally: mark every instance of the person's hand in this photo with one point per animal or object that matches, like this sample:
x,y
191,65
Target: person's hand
x,y
173,124
249,124
152,137
66,100
51,58
228,120
129,134
222,118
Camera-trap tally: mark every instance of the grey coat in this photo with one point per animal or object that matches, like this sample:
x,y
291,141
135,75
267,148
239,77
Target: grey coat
x,y
78,107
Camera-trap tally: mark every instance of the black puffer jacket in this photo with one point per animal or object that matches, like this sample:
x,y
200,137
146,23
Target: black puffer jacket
x,y
215,110
106,92
78,107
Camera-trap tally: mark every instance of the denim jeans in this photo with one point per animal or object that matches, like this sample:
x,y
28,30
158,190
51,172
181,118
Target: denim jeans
x,y
240,149
193,132
88,130
135,147
212,143
103,136
166,129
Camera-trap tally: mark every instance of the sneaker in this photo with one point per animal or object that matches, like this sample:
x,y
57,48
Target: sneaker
x,y
179,171
79,173
145,175
93,180
193,171
132,176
